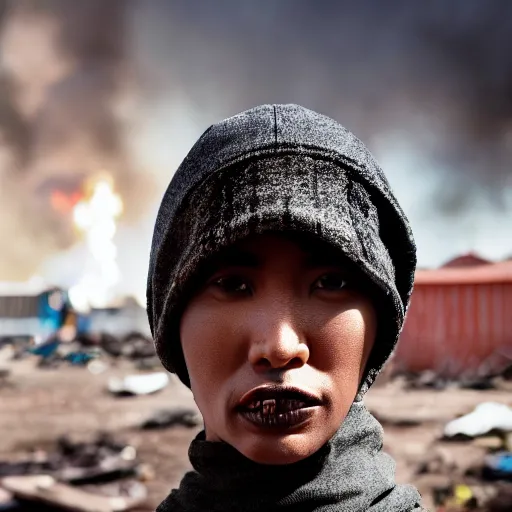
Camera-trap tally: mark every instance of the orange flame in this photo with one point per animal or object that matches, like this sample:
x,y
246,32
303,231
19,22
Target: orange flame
x,y
95,216
64,203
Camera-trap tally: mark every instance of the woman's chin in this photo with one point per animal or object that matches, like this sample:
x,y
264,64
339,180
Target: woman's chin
x,y
281,444
281,450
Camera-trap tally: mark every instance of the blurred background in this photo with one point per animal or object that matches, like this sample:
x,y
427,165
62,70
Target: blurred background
x,y
99,103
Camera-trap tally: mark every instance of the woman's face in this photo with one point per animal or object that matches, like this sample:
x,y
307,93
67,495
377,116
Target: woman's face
x,y
276,341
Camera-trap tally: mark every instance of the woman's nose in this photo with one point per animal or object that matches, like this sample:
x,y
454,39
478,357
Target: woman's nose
x,y
277,346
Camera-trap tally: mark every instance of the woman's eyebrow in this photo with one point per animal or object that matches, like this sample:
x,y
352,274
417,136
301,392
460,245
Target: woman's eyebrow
x,y
236,258
323,259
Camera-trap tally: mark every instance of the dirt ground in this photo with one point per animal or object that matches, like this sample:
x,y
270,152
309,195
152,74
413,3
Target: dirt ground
x,y
37,405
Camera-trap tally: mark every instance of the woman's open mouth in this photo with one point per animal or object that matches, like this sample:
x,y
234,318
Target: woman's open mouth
x,y
277,407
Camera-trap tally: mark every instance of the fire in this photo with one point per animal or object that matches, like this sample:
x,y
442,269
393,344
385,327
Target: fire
x,y
64,203
95,216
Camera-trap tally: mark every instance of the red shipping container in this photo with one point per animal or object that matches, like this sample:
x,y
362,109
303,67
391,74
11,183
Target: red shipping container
x,y
459,322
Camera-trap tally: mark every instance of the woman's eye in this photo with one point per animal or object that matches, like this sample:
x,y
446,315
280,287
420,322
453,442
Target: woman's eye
x,y
331,282
232,285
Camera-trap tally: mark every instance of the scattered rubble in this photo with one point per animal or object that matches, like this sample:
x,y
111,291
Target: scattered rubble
x,y
83,349
486,417
498,467
429,379
459,457
47,490
453,440
100,460
172,417
131,385
482,482
84,476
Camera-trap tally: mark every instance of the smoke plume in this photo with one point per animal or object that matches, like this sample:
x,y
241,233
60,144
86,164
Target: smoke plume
x,y
129,85
65,81
428,86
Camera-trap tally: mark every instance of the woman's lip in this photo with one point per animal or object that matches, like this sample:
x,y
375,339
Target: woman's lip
x,y
279,421
278,392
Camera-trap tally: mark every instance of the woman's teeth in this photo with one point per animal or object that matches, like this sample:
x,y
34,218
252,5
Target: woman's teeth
x,y
278,412
275,406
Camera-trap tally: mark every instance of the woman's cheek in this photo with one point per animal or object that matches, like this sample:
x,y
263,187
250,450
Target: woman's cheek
x,y
209,336
343,341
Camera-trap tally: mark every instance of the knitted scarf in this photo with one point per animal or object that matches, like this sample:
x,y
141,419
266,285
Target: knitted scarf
x,y
349,474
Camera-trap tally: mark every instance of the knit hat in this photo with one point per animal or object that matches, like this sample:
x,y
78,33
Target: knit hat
x,y
279,168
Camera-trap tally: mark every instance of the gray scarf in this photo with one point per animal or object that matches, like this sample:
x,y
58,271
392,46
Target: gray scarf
x,y
349,474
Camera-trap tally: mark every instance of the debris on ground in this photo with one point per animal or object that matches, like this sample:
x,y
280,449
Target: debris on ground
x,y
498,467
145,384
48,491
486,417
6,500
96,366
390,420
473,497
100,460
47,349
103,474
137,346
429,379
469,469
83,348
459,481
179,416
4,376
148,363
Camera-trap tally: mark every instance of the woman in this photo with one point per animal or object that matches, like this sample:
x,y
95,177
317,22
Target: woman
x,y
281,270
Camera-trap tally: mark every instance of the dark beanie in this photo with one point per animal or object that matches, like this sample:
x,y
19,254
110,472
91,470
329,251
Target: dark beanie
x,y
287,169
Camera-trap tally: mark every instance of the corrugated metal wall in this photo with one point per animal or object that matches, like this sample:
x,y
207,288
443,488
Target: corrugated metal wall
x,y
457,329
19,306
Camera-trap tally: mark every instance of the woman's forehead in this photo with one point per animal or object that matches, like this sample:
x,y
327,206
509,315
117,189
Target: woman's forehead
x,y
255,250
